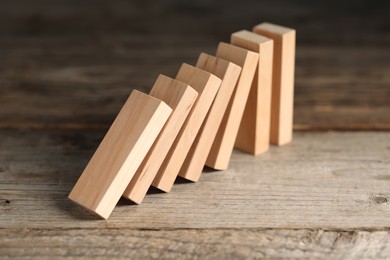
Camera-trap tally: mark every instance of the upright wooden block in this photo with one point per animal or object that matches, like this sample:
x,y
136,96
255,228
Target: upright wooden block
x,y
229,73
207,86
254,133
180,97
120,153
283,80
223,144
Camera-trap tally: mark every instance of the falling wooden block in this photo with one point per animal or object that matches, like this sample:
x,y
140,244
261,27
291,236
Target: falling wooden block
x,y
254,132
283,80
223,144
207,86
229,73
119,155
180,97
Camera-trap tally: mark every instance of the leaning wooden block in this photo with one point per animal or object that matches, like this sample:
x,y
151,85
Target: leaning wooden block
x,y
120,153
254,133
207,86
223,144
180,97
229,73
283,81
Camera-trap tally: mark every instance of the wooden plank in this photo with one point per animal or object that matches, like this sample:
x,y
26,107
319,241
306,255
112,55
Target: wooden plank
x,y
197,155
180,97
331,180
207,86
282,80
223,144
224,243
254,132
122,150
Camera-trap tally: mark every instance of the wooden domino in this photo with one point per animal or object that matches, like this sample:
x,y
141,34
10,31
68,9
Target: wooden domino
x,y
240,98
207,85
223,144
254,132
118,156
283,80
180,97
229,73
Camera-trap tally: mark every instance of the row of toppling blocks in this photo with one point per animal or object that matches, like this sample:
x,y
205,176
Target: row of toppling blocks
x,y
242,97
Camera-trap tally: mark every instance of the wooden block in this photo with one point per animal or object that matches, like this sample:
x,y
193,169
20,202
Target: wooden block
x,y
180,97
254,132
207,86
120,153
229,73
283,80
223,144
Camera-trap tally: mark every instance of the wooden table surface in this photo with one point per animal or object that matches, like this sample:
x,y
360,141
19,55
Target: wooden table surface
x,y
66,68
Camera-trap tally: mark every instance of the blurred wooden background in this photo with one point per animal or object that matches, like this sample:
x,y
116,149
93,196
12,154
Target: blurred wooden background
x,y
66,68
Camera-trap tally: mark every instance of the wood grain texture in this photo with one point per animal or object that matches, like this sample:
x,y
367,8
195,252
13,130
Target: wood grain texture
x,y
282,80
223,144
118,156
207,85
180,97
254,133
194,243
229,73
321,181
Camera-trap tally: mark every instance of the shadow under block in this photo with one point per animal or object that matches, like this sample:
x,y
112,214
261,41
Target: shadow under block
x,y
283,80
223,144
254,133
180,97
229,73
119,155
207,85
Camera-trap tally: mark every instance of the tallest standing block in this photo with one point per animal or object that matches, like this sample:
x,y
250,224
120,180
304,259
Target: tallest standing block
x,y
282,81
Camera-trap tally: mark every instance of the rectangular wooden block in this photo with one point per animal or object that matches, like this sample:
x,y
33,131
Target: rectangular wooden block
x,y
283,80
223,144
180,97
254,132
229,73
207,86
119,155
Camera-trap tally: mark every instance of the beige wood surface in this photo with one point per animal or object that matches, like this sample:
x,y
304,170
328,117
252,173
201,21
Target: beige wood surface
x,y
324,180
122,150
282,80
254,132
180,97
223,144
197,155
195,243
207,85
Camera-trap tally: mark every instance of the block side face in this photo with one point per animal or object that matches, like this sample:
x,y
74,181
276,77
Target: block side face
x,y
145,174
263,119
207,86
287,88
283,82
135,158
196,158
106,163
223,144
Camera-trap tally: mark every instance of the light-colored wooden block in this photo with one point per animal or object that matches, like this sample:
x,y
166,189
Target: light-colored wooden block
x,y
223,144
119,155
180,97
229,73
254,132
283,80
207,85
